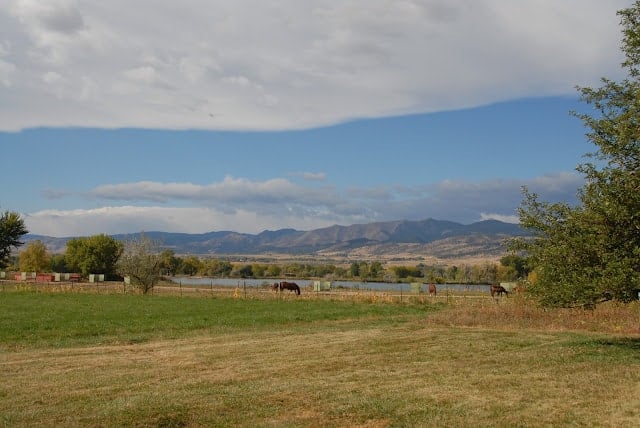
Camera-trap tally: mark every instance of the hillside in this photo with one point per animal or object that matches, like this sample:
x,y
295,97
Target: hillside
x,y
399,240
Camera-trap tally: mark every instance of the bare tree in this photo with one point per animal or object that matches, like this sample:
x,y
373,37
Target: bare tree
x,y
141,261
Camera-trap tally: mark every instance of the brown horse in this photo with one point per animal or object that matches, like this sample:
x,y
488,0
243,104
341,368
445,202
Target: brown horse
x,y
284,285
432,290
498,290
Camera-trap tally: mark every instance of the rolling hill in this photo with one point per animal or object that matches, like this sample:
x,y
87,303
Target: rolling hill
x,y
437,239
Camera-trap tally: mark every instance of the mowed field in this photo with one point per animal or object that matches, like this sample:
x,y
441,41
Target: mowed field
x,y
87,359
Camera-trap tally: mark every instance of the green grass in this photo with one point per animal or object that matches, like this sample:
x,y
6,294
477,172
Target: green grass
x,y
166,361
30,319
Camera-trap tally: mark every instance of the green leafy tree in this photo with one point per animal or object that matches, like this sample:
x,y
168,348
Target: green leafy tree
x,y
363,271
58,263
141,261
12,228
191,265
354,270
273,271
222,268
376,270
402,272
591,252
242,271
517,264
258,270
94,254
451,273
34,258
169,263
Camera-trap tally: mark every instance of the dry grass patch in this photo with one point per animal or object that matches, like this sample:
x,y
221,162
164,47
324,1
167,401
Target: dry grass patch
x,y
408,375
520,312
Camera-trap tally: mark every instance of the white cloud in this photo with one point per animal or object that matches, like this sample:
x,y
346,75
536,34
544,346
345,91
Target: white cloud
x,y
500,217
131,219
7,71
290,64
143,75
51,77
249,206
230,192
310,176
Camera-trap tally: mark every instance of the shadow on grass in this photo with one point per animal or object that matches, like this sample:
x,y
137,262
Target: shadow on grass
x,y
610,349
623,343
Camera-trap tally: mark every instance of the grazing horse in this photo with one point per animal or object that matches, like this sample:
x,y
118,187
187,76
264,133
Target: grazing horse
x,y
432,290
498,290
284,285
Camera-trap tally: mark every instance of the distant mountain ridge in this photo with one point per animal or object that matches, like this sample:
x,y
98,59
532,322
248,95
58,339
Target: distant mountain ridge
x,y
395,236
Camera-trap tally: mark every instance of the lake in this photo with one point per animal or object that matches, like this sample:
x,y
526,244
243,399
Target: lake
x,y
355,285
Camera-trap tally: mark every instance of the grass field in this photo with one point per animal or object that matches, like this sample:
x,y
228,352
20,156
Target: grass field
x,y
82,359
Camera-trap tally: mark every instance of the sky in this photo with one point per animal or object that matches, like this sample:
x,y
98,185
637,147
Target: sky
x,y
198,116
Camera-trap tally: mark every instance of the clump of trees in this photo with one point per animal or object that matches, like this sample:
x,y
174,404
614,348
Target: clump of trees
x,y
589,253
93,254
34,258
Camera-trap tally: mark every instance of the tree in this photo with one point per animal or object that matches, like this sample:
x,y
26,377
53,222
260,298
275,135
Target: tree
x,y
591,252
517,264
11,230
34,258
94,254
258,270
169,263
190,265
376,269
242,271
222,268
406,272
58,263
355,269
142,262
363,271
273,271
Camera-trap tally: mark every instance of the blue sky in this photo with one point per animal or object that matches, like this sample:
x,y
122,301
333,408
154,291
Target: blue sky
x,y
250,117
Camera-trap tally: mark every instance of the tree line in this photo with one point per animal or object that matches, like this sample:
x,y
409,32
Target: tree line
x,y
103,254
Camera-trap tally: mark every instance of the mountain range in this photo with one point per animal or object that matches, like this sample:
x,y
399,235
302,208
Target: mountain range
x,y
403,239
